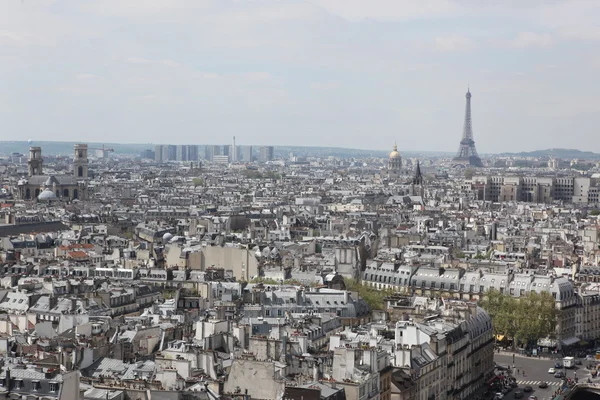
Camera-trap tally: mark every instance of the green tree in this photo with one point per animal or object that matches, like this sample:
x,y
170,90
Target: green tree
x,y
523,319
469,173
374,297
198,181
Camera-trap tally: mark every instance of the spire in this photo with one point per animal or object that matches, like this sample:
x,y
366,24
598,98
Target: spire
x,y
418,178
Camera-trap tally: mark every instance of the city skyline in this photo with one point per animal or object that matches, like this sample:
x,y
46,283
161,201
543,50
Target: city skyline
x,y
334,74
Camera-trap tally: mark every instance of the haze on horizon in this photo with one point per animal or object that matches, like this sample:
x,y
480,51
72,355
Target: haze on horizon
x,y
343,73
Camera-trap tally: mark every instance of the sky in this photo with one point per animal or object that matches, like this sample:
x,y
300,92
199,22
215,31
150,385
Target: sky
x,y
344,73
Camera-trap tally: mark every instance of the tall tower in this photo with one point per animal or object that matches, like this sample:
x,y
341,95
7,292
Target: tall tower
x,y
35,161
467,153
80,161
234,155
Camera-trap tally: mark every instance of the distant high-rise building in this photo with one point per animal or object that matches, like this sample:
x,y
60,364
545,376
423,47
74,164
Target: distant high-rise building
x,y
266,153
247,154
467,154
147,154
193,152
225,150
210,151
234,152
182,153
165,153
158,153
172,152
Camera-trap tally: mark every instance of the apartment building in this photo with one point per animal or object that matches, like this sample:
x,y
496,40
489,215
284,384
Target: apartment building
x,y
535,189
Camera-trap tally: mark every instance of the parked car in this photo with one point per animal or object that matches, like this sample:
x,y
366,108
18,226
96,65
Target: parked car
x,y
518,394
551,371
528,389
532,397
498,396
558,374
543,385
558,366
577,362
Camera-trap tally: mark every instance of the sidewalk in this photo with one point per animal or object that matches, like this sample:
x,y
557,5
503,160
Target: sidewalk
x,y
544,356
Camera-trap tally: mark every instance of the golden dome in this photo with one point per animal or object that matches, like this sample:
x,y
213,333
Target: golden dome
x,y
394,153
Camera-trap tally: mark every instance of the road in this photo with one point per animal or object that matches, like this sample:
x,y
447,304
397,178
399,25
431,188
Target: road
x,y
536,371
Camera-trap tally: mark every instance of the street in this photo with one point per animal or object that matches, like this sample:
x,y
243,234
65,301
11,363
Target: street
x,y
536,371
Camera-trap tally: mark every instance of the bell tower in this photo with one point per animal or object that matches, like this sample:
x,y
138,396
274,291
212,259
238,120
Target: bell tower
x,y
80,161
35,161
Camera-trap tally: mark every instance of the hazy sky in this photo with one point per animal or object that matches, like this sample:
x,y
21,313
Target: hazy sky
x,y
348,73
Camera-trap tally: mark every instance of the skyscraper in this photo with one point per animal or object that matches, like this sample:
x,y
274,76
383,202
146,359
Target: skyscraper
x,y
467,153
172,152
234,153
182,153
247,154
158,153
193,152
266,153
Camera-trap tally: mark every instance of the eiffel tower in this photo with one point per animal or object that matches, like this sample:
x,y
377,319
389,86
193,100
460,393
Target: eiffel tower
x,y
467,153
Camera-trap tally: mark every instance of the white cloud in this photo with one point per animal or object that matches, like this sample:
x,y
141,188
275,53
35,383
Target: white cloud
x,y
145,61
8,38
325,86
359,10
86,77
531,39
454,43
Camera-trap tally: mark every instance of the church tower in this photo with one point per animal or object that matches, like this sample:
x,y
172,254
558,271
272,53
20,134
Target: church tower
x,y
416,185
80,161
35,161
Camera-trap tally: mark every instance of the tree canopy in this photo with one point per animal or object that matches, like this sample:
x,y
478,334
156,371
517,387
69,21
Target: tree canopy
x,y
525,319
373,296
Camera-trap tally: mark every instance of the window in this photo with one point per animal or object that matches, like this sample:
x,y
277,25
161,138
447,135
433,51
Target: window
x,y
462,287
53,386
267,313
442,285
422,283
471,288
481,289
35,385
452,286
18,384
433,285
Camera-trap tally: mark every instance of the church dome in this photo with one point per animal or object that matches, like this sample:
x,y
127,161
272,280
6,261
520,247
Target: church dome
x,y
394,153
47,195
